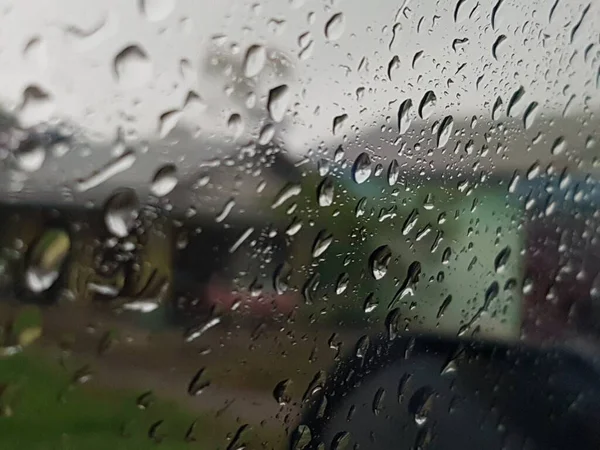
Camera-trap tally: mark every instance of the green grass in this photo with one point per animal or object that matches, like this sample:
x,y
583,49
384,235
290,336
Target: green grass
x,y
41,412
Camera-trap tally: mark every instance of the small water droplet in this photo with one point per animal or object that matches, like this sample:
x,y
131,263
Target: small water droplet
x,y
334,28
444,306
254,61
427,104
197,384
133,67
121,212
227,207
278,101
378,400
361,169
164,180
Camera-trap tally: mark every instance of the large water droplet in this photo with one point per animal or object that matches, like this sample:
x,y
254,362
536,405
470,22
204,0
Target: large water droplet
x,y
514,104
37,107
427,104
156,10
121,211
404,116
198,383
30,157
393,172
254,61
379,261
281,392
530,115
322,243
445,131
46,260
164,180
378,400
266,134
502,259
341,441
301,438
289,190
342,283
277,102
133,67
361,170
338,123
35,53
106,172
325,192
235,125
420,405
559,146
167,122
334,28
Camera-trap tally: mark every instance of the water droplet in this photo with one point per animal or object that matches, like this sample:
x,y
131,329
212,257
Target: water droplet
x,y
404,116
393,66
495,10
156,10
167,122
393,172
559,146
342,283
444,131
132,67
235,125
197,384
334,28
266,134
35,53
30,158
301,438
227,207
338,154
379,261
281,278
240,240
281,392
502,259
146,400
427,104
46,259
420,405
289,190
378,400
497,109
362,347
164,180
361,169
277,103
515,102
37,107
410,222
114,167
325,192
121,211
496,46
254,61
370,304
340,441
338,123
322,243
444,306
530,115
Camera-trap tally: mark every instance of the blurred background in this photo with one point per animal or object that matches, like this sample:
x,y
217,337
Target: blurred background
x,y
205,205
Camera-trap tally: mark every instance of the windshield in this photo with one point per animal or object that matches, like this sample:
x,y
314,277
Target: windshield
x,y
211,210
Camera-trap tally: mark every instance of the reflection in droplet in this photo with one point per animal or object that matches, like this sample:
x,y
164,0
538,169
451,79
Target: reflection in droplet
x,y
164,180
121,211
254,61
46,259
277,102
334,28
427,104
132,67
361,170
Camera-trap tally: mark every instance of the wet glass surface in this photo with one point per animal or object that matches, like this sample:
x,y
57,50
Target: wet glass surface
x,y
299,224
